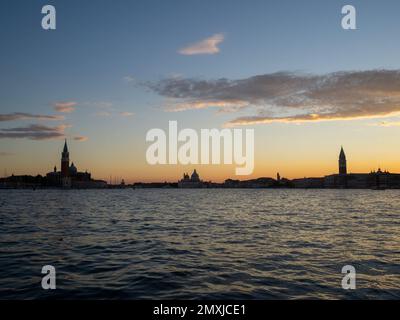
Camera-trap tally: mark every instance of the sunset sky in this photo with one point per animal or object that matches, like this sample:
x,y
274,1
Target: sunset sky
x,y
112,70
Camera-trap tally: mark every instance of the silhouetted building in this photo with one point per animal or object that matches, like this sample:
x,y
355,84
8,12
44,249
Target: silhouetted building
x,y
342,162
70,177
308,183
22,182
373,180
65,161
252,183
191,182
65,176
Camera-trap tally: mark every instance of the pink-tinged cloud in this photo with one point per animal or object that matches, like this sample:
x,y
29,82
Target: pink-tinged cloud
x,y
206,46
81,138
253,120
126,114
65,107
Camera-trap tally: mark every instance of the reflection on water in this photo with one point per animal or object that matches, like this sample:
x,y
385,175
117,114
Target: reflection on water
x,y
255,244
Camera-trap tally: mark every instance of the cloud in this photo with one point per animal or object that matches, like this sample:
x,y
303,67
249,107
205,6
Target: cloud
x,y
104,108
291,97
206,46
6,154
112,114
387,124
231,106
27,116
98,104
129,79
34,132
81,138
126,114
103,114
302,118
65,107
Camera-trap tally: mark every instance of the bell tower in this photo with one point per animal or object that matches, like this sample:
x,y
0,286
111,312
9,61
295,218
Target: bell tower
x,y
65,161
342,162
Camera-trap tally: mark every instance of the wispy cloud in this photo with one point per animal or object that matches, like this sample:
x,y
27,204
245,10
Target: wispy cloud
x,y
387,124
206,46
6,154
28,116
98,104
81,138
129,79
230,106
103,114
126,114
292,97
65,107
104,108
34,132
241,121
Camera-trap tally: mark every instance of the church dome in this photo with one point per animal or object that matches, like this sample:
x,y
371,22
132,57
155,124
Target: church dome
x,y
72,169
195,176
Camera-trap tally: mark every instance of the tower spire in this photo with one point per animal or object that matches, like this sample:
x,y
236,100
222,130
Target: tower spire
x,y
65,160
65,146
342,162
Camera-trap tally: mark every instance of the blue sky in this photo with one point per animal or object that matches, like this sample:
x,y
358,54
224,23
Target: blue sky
x,y
103,51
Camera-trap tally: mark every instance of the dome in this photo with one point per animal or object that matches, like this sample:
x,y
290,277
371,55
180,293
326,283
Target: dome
x,y
73,169
195,176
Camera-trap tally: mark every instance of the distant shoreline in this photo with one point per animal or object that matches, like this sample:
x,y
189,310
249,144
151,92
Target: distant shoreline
x,y
205,188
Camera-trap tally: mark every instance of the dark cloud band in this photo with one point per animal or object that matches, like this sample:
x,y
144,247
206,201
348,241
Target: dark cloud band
x,y
27,116
34,132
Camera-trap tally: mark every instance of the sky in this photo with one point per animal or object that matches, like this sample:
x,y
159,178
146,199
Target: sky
x,y
113,70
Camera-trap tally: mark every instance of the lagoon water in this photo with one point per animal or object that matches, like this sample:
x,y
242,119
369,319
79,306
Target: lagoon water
x,y
200,244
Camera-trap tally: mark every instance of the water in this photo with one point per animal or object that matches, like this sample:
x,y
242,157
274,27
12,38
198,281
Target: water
x,y
200,244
